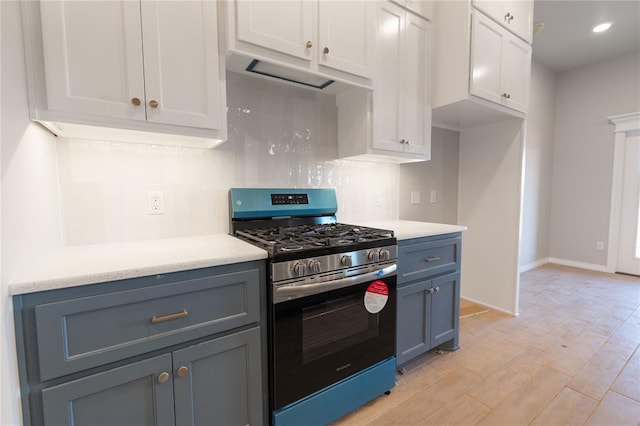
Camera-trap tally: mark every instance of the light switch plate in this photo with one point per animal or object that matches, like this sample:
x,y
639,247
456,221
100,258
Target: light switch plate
x,y
415,197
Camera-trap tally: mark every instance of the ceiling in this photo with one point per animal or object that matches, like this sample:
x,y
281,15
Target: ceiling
x,y
567,41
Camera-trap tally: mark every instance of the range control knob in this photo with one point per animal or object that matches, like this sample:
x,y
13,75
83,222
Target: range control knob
x,y
300,268
346,260
373,256
314,266
384,254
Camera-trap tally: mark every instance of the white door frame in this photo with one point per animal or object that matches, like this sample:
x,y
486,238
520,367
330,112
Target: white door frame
x,y
625,124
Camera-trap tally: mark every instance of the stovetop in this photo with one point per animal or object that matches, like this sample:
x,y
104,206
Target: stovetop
x,y
308,240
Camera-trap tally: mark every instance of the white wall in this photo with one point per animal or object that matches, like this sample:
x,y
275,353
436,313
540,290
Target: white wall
x,y
583,155
30,213
439,174
489,198
538,166
278,136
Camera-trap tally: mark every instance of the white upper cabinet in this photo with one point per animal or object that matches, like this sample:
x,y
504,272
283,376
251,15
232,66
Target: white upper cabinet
x,y
394,122
515,15
93,58
325,37
481,70
150,66
500,64
282,26
424,8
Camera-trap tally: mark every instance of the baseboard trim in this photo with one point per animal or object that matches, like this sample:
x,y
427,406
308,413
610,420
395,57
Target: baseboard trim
x,y
533,265
581,265
486,305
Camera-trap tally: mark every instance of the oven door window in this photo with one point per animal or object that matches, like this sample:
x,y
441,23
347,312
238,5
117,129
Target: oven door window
x,y
335,325
321,339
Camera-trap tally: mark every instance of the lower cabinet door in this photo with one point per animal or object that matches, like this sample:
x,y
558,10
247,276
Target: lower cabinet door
x,y
445,307
220,381
413,334
135,394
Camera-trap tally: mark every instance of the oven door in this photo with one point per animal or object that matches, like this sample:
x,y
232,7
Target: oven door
x,y
320,339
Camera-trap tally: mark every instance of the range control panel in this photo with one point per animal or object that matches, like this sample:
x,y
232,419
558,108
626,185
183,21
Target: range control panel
x,y
279,199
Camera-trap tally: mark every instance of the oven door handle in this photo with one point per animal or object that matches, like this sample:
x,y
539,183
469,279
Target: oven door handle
x,y
284,293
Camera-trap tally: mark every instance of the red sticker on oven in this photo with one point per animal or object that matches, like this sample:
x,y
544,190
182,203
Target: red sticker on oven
x,y
376,296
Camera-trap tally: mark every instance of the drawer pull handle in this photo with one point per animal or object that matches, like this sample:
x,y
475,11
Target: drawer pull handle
x,y
432,259
169,317
183,371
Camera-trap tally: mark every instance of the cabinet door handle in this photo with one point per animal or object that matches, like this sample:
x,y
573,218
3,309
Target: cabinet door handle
x,y
136,101
325,50
183,371
402,141
408,142
437,289
309,45
163,377
169,317
431,291
153,103
432,259
510,19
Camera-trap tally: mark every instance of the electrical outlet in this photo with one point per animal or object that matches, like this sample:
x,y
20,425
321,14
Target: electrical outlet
x,y
600,245
155,202
415,197
433,196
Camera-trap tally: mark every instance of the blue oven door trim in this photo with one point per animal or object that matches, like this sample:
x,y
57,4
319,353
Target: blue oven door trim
x,y
333,402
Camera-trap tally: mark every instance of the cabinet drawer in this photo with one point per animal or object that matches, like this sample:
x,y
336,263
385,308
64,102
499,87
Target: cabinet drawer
x,y
90,331
427,258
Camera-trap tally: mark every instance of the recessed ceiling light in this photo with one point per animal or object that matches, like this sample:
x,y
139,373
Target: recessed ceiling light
x,y
602,27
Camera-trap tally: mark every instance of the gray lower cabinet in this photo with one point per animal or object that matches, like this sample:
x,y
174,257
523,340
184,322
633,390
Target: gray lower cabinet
x,y
185,348
428,295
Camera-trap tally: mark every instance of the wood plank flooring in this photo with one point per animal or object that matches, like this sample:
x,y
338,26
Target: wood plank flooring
x,y
572,357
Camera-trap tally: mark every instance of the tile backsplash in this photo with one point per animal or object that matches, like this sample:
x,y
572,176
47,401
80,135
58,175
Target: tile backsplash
x,y
279,136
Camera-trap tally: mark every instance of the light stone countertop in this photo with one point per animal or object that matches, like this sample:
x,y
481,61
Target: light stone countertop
x,y
79,265
408,229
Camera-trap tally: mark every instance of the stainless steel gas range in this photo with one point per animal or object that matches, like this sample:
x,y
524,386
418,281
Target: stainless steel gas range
x,y
331,302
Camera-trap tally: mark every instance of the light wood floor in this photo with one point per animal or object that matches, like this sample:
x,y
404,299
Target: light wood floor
x,y
571,357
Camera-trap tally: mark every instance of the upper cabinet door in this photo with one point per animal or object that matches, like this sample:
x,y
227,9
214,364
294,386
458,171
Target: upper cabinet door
x,y
516,73
93,57
346,36
415,106
515,15
181,63
284,26
486,59
387,93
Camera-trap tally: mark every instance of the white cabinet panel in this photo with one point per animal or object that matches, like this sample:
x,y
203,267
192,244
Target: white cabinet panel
x,y
181,63
486,59
388,77
93,57
515,15
415,108
516,73
500,64
346,36
424,8
284,26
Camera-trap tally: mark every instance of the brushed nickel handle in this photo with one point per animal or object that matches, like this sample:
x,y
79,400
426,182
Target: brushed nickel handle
x,y
510,19
325,50
402,141
183,371
507,16
153,103
169,317
163,377
408,142
432,259
431,291
508,96
136,101
309,45
437,289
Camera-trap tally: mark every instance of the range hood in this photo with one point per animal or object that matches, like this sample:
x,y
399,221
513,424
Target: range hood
x,y
288,74
295,76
